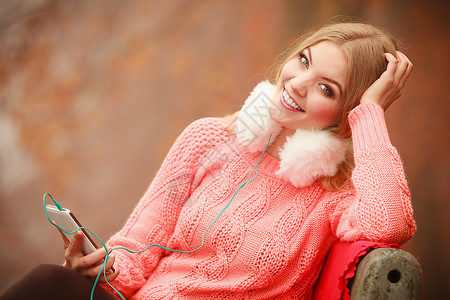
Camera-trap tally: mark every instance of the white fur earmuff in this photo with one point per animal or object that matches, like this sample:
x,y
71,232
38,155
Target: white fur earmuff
x,y
254,124
306,156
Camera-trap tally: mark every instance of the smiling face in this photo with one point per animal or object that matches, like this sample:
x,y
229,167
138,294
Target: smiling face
x,y
312,87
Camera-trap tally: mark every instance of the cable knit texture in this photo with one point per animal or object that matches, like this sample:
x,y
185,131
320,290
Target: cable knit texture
x,y
273,238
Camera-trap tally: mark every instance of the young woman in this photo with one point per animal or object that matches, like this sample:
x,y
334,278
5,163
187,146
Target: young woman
x,y
255,201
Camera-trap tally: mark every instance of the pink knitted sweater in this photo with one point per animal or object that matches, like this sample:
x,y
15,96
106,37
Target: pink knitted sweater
x,y
273,238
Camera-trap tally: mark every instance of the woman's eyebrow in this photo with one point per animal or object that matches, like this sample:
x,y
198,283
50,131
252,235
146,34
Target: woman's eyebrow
x,y
309,54
324,77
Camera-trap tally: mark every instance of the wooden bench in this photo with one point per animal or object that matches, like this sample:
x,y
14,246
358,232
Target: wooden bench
x,y
387,273
383,271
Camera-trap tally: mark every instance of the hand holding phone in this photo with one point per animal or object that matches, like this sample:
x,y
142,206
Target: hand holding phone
x,y
78,243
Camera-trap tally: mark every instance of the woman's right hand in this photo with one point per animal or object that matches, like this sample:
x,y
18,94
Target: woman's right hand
x,y
389,87
87,265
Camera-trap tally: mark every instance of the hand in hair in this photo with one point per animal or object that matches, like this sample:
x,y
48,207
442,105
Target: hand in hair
x,y
386,89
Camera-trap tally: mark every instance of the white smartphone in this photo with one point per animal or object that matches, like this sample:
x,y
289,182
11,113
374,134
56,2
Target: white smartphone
x,y
67,221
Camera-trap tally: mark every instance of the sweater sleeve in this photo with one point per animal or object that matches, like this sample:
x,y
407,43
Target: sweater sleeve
x,y
154,218
379,209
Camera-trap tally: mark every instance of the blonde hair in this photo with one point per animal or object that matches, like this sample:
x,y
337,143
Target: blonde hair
x,y
364,46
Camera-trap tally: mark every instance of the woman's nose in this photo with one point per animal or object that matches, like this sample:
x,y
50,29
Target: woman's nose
x,y
300,84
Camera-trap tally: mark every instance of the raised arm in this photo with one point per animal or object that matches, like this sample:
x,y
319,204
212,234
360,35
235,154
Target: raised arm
x,y
380,207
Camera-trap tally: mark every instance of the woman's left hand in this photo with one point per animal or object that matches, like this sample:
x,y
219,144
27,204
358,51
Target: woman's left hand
x,y
386,89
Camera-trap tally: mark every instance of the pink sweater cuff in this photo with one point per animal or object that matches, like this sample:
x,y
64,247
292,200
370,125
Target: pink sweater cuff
x,y
368,126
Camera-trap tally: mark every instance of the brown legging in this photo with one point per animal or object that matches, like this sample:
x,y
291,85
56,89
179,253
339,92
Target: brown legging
x,y
55,282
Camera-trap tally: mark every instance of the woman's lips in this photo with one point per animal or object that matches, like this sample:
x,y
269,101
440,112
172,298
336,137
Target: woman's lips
x,y
289,103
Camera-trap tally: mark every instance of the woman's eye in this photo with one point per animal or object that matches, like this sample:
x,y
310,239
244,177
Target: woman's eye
x,y
304,60
327,90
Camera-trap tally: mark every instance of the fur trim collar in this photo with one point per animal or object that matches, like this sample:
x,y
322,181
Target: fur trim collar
x,y
306,156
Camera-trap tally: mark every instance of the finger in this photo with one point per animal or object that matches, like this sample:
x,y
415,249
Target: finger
x,y
402,65
409,63
111,276
392,63
92,258
74,248
404,56
409,67
98,268
66,241
388,76
109,265
404,62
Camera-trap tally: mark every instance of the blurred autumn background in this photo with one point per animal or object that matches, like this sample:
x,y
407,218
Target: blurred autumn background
x,y
93,94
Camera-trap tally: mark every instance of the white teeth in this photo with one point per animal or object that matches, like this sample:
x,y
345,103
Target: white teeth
x,y
290,102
